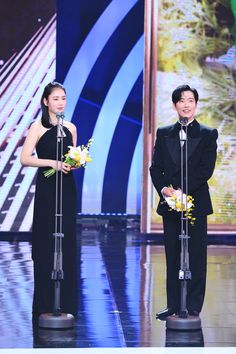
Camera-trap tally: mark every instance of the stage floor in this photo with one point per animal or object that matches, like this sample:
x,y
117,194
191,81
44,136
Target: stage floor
x,y
121,287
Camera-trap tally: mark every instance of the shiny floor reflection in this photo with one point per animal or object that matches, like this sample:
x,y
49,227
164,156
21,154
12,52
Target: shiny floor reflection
x,y
121,287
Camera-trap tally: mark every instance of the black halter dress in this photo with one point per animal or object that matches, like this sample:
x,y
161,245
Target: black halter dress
x,y
44,227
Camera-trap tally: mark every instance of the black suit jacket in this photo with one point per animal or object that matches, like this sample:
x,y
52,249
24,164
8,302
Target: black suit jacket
x,y
165,168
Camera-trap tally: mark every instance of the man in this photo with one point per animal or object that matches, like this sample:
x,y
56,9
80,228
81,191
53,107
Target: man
x,y
166,176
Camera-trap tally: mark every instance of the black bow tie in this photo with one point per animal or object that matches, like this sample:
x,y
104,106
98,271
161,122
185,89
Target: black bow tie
x,y
179,127
189,126
192,129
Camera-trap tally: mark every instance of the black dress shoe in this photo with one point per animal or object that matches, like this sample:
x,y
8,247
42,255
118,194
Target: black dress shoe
x,y
193,313
165,313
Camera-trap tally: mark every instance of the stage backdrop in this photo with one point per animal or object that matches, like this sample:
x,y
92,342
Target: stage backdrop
x,y
100,56
96,49
27,59
192,42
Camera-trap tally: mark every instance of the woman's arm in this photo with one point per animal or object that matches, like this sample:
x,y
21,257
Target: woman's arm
x,y
27,158
73,131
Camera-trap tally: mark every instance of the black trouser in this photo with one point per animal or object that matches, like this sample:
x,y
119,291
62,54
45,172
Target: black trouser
x,y
197,246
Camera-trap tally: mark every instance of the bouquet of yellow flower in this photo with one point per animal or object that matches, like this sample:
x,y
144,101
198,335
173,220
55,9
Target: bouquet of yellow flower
x,y
75,157
179,201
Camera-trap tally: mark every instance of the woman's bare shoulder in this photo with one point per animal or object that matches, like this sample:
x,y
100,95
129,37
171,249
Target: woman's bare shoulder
x,y
70,126
37,129
36,125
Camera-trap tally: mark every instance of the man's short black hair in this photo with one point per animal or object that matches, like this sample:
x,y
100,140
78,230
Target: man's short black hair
x,y
177,93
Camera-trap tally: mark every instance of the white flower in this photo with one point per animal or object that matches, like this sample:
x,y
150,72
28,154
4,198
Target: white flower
x,y
179,200
72,152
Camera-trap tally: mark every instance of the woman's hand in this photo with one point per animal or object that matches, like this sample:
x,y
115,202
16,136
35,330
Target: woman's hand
x,y
61,166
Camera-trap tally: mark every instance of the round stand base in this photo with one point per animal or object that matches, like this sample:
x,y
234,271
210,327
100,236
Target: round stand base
x,y
190,323
49,320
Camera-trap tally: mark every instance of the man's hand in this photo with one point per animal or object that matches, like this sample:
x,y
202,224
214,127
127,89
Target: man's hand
x,y
168,191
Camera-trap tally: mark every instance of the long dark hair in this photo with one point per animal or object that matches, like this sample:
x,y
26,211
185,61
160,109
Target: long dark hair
x,y
45,120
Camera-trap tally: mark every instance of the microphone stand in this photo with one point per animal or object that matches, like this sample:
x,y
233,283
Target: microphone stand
x,y
57,319
183,321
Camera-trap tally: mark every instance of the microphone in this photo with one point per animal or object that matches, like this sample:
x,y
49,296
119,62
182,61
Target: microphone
x,y
183,120
60,115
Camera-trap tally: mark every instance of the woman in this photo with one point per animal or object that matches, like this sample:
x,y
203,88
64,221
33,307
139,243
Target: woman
x,y
42,135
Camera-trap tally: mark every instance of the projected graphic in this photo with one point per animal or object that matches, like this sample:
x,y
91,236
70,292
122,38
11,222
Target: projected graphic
x,y
23,78
101,67
195,44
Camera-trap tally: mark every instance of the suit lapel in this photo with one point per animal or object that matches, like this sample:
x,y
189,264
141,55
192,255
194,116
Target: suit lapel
x,y
192,144
173,145
173,141
193,137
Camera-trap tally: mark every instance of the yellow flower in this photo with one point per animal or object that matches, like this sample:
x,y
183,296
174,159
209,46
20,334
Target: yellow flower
x,y
180,202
